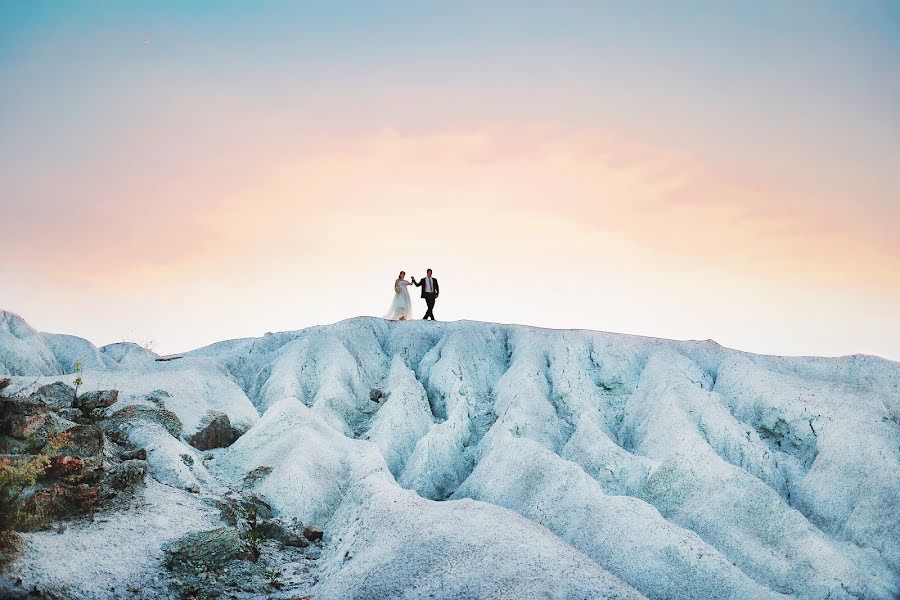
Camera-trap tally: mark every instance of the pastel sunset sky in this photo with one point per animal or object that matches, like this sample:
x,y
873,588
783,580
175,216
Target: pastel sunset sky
x,y
183,173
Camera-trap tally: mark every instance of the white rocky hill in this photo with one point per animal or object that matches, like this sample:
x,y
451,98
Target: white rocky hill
x,y
475,460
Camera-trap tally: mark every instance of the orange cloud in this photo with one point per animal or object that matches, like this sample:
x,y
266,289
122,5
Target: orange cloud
x,y
274,201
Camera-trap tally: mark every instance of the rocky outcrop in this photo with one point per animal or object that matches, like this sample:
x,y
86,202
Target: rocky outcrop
x,y
93,400
26,425
209,550
123,420
205,564
55,395
66,469
274,529
21,418
215,431
84,441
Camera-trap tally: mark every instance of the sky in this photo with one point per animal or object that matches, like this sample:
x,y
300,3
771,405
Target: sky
x,y
176,174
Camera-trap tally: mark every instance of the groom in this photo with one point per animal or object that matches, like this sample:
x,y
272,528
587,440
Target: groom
x,y
430,290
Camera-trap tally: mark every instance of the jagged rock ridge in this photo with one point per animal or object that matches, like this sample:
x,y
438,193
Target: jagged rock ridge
x,y
509,461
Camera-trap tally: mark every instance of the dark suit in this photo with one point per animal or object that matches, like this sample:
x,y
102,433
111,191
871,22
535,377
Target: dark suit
x,y
429,296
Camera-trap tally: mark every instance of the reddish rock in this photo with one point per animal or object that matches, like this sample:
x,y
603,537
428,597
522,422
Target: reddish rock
x,y
215,431
313,533
66,467
84,441
21,418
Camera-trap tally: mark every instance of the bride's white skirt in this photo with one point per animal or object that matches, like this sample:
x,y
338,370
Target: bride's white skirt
x,y
401,307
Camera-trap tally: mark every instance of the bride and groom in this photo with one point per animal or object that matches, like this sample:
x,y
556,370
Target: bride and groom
x,y
401,307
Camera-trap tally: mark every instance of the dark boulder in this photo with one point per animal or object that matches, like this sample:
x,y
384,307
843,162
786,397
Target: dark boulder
x,y
56,395
215,431
89,401
313,533
84,441
21,418
26,425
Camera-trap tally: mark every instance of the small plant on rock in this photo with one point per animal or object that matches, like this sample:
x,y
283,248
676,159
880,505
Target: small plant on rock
x,y
253,543
252,517
274,577
78,377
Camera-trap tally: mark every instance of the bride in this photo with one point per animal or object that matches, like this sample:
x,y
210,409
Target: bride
x,y
401,307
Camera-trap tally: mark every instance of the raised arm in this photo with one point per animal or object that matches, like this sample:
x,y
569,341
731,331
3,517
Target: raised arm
x,y
418,283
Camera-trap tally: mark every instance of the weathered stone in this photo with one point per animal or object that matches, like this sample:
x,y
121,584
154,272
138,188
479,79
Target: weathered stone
x,y
19,423
273,529
21,418
210,564
84,441
215,431
57,395
93,400
313,533
126,474
375,395
187,459
123,420
212,549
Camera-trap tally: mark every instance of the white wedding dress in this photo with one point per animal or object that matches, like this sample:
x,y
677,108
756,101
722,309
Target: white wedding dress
x,y
401,307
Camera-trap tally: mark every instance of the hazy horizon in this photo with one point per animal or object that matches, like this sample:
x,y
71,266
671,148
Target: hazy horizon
x,y
188,173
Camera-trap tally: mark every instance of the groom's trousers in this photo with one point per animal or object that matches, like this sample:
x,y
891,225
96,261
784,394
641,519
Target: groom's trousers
x,y
429,302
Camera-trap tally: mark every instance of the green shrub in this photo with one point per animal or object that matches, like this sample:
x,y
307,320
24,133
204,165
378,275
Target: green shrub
x,y
20,473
